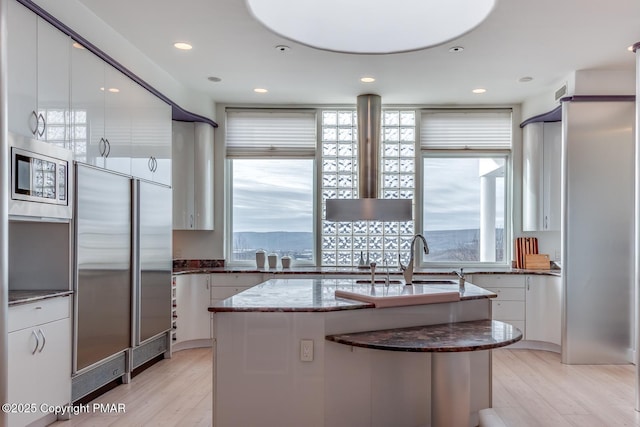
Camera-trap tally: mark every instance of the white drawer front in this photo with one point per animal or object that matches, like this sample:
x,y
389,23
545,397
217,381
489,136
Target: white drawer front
x,y
508,294
225,279
222,292
36,313
499,280
508,310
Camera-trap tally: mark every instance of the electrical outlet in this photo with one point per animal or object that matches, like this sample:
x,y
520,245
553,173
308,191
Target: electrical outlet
x,y
306,350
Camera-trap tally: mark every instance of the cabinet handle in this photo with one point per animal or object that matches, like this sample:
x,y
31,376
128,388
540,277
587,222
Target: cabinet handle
x,y
546,222
150,163
44,125
528,279
155,164
191,221
108,147
207,283
102,147
44,340
34,130
37,342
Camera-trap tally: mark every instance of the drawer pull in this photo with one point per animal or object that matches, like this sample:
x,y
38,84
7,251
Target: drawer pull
x,y
38,308
37,342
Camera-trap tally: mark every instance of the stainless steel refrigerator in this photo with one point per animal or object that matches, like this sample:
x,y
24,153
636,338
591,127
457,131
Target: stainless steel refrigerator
x,y
598,230
123,276
103,265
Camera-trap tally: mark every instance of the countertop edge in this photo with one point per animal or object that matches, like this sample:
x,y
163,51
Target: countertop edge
x,y
36,295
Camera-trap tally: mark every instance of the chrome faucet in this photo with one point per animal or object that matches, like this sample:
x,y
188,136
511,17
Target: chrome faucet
x,y
461,278
407,271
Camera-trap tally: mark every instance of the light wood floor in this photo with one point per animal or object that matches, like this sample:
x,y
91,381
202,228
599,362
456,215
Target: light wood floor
x,y
530,389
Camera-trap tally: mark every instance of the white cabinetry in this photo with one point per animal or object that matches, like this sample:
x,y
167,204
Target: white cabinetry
x,y
509,306
193,320
38,82
39,356
225,285
101,99
541,176
151,137
544,312
192,148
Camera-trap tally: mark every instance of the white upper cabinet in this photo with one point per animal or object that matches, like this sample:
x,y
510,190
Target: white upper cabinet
x,y
541,176
101,122
192,149
38,83
151,137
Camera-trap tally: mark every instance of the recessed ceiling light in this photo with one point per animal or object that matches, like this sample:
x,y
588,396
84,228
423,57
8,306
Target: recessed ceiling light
x,y
479,90
214,79
630,48
77,45
283,48
182,46
260,90
456,49
367,80
114,90
525,79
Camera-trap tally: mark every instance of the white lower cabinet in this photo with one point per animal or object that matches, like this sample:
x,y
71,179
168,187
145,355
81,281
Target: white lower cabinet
x,y
532,303
192,304
544,313
225,285
509,306
39,359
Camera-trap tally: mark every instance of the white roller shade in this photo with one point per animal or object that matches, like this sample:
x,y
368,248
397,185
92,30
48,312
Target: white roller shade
x,y
489,129
252,133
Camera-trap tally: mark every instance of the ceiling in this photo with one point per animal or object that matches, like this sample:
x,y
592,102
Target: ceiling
x,y
542,39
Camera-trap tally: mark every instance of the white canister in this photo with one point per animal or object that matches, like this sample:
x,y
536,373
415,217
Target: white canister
x,y
286,261
260,258
273,260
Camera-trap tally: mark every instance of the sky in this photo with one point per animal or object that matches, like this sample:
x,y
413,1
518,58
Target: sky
x,y
277,195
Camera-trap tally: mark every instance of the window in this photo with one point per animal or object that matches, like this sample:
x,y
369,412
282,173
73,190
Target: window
x,y
271,162
464,167
345,243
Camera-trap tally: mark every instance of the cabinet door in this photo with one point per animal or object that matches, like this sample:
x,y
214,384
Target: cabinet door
x,y
192,304
151,137
532,181
552,179
87,106
203,176
543,311
43,376
22,69
53,84
119,92
182,177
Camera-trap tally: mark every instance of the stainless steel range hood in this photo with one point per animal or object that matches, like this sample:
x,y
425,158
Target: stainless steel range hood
x,y
368,206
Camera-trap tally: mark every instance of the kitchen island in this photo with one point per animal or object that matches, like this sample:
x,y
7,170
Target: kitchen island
x,y
274,367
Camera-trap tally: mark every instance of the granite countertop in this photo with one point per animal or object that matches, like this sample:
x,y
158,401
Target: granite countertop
x,y
17,297
317,295
344,271
447,337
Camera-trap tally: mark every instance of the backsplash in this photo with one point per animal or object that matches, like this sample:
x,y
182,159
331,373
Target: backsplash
x,y
197,263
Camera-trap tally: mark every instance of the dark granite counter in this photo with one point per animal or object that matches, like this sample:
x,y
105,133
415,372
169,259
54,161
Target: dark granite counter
x,y
346,271
24,297
318,295
447,337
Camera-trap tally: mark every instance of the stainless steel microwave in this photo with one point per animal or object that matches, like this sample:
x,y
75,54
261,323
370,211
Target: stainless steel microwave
x,y
41,183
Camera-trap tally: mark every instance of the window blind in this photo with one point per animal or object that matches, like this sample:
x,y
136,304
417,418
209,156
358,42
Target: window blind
x,y
273,133
465,129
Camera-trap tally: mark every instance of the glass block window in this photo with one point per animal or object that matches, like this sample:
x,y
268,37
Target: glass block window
x,y
344,243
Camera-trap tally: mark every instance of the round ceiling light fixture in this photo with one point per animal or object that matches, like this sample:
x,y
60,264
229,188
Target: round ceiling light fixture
x,y
367,79
359,27
479,90
182,46
214,79
260,90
